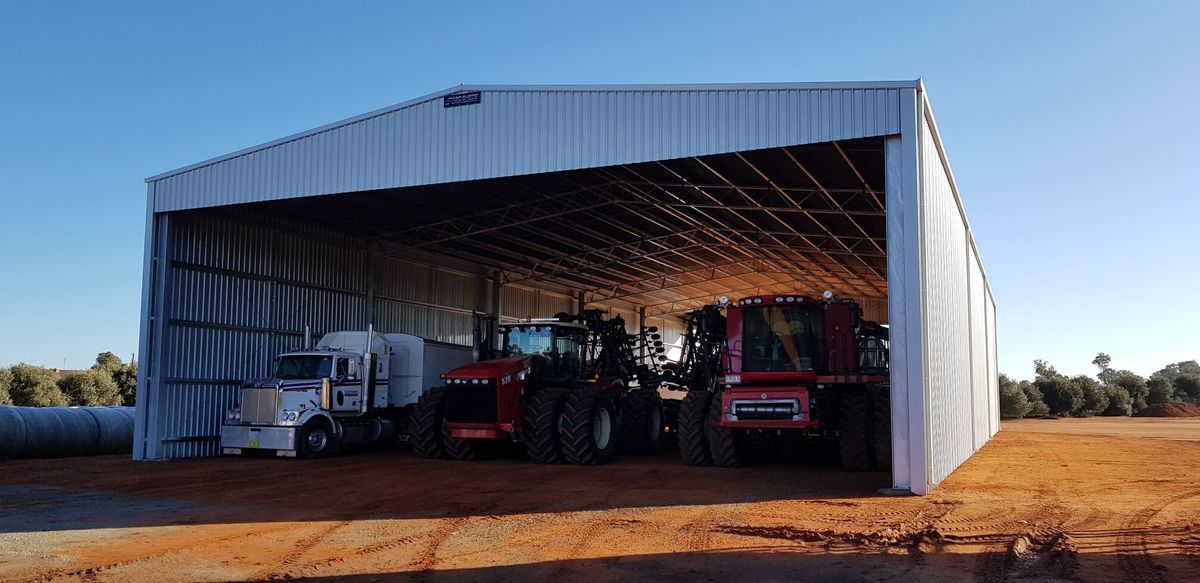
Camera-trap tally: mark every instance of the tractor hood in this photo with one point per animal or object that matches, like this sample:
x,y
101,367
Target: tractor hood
x,y
490,369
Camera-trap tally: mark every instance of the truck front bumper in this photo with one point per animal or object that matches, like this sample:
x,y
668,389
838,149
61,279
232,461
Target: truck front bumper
x,y
235,438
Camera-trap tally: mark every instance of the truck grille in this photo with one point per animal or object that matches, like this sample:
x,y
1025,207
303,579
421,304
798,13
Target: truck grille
x,y
471,404
259,404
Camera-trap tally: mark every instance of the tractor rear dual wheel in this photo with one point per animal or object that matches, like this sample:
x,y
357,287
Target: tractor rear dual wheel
x,y
693,416
641,422
587,427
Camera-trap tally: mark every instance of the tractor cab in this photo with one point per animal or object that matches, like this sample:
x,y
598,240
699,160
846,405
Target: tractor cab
x,y
556,350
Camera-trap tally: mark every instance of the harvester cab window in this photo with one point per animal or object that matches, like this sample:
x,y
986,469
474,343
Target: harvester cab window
x,y
782,338
306,366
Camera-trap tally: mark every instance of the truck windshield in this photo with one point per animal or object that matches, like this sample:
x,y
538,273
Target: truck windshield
x,y
781,338
308,366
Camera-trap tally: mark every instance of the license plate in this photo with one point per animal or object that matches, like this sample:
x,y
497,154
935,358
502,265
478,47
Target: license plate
x,y
254,443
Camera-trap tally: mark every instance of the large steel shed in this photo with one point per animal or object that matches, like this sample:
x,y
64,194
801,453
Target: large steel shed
x,y
530,200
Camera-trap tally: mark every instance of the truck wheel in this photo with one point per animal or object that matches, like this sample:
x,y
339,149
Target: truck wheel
x,y
587,427
724,444
315,439
642,421
425,424
854,443
542,442
881,428
693,415
457,448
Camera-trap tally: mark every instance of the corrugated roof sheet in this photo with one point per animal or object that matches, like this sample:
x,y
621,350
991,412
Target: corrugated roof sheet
x,y
518,130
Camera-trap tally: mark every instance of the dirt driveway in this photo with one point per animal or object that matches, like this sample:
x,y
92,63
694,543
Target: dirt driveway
x,y
1041,502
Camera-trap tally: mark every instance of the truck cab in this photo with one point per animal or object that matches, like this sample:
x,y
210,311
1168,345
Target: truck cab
x,y
353,387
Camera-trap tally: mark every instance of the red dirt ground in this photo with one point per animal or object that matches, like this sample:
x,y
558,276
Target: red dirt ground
x,y
1043,501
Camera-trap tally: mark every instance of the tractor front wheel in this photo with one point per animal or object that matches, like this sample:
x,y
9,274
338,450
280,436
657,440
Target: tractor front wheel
x,y
542,442
587,427
426,423
693,415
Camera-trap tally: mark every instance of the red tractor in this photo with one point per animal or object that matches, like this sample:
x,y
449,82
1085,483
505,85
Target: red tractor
x,y
790,365
562,386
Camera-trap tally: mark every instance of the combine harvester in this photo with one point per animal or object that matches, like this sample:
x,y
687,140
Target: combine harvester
x,y
563,386
353,388
778,366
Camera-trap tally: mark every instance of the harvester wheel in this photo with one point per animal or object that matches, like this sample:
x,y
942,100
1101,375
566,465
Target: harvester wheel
x,y
724,444
641,421
542,442
587,427
693,415
425,424
315,439
457,448
881,428
854,442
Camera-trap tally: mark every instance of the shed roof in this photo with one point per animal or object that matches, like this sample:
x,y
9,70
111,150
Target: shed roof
x,y
529,129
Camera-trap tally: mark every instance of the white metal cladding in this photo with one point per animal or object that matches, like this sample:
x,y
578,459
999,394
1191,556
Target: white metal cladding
x,y
236,291
958,394
993,364
517,130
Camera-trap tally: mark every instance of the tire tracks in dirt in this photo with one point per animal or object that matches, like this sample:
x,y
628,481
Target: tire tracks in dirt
x,y
1132,550
94,570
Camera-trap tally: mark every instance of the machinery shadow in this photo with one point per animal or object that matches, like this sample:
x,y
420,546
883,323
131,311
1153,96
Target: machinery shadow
x,y
114,492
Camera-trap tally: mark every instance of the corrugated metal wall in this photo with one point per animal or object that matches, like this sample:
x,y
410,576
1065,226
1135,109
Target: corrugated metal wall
x,y
240,290
960,387
526,130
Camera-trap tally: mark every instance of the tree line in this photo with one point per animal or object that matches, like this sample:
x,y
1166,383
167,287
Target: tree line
x,y
108,382
1112,392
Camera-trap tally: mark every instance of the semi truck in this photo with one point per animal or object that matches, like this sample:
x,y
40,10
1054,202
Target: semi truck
x,y
353,387
784,365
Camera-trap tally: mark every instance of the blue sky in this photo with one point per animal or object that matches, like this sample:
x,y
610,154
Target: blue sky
x,y
1071,127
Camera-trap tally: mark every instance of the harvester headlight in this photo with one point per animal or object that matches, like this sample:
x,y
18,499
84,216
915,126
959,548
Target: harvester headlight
x,y
758,300
828,295
474,381
779,300
791,299
723,300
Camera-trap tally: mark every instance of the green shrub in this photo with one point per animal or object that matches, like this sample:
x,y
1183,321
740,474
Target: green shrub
x,y
35,386
1013,402
90,388
1062,395
1095,397
1136,386
5,387
1119,402
1187,386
